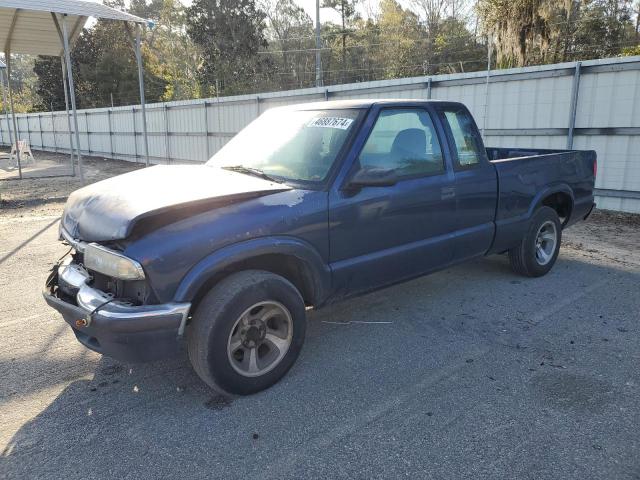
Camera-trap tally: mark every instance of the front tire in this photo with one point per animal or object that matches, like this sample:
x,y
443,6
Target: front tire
x,y
538,251
247,332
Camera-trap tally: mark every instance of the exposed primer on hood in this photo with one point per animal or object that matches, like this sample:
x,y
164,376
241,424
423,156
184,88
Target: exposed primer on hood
x,y
109,210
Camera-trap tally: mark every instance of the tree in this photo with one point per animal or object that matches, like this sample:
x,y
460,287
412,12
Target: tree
x,y
229,34
167,41
528,32
401,49
604,28
348,13
522,29
23,84
290,34
433,11
241,47
456,49
103,64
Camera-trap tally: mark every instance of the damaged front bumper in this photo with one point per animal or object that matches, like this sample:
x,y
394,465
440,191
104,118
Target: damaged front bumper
x,y
111,327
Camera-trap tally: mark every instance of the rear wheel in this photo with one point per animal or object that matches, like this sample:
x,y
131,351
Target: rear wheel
x,y
247,332
539,249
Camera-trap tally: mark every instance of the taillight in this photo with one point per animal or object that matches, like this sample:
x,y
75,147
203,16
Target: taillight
x,y
595,167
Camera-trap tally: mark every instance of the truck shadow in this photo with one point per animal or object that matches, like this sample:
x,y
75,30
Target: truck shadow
x,y
26,242
360,352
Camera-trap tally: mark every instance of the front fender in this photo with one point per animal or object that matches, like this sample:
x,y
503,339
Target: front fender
x,y
224,258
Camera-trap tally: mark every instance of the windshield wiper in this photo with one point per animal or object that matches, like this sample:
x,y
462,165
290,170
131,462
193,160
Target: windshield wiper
x,y
252,171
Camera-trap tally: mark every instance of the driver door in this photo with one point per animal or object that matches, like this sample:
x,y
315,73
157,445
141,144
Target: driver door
x,y
380,235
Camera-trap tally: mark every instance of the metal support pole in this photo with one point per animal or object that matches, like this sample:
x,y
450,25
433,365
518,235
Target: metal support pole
x,y
206,129
110,133
429,88
318,46
68,115
40,129
135,135
72,93
53,129
486,89
142,102
28,129
7,56
574,105
86,124
257,106
6,110
166,134
218,110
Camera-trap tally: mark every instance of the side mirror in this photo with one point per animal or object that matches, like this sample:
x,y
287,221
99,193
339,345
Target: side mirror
x,y
373,177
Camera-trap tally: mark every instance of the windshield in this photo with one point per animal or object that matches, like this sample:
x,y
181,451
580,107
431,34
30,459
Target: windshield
x,y
288,144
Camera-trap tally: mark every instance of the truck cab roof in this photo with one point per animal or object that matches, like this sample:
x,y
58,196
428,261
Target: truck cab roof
x,y
359,103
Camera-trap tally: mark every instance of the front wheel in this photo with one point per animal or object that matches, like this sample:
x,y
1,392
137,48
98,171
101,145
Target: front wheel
x,y
539,248
247,332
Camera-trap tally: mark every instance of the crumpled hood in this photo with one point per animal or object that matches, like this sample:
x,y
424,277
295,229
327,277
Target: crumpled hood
x,y
110,209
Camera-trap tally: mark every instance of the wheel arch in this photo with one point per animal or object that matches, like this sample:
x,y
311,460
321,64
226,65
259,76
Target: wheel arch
x,y
292,258
558,197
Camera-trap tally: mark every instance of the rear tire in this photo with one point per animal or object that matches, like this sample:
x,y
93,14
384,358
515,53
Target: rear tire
x,y
247,332
538,251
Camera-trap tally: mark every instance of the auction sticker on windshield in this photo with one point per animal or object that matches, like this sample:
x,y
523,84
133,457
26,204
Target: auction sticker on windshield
x,y
331,122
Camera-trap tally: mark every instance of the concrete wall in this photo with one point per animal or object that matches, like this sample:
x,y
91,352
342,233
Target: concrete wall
x,y
521,107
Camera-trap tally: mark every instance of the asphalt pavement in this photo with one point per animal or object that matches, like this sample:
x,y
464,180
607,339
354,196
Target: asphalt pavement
x,y
473,372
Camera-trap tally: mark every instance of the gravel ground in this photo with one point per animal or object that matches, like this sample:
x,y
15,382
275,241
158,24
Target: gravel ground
x,y
472,372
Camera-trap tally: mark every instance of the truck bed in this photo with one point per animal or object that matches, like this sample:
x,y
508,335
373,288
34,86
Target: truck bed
x,y
507,153
527,175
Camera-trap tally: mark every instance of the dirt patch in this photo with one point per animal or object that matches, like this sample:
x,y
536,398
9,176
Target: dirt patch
x,y
601,217
47,195
606,234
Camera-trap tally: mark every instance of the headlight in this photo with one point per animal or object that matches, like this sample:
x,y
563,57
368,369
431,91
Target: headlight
x,y
111,263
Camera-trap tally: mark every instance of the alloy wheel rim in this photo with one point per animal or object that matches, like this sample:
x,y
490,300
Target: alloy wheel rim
x,y
260,338
546,240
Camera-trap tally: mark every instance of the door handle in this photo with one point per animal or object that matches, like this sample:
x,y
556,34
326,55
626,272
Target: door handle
x,y
447,193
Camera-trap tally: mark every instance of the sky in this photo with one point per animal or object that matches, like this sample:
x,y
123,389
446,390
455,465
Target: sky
x,y
327,14
309,6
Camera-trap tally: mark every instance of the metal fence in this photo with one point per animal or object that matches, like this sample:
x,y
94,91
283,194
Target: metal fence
x,y
593,104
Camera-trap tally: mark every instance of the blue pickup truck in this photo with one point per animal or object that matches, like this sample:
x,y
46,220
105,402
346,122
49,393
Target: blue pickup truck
x,y
307,205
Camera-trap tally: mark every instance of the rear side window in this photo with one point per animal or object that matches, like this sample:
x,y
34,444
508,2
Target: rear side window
x,y
467,148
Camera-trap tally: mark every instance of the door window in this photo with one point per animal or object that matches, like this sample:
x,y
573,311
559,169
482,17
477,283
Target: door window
x,y
403,140
465,138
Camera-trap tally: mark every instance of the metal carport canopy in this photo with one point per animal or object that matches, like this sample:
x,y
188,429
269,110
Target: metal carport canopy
x,y
26,26
45,27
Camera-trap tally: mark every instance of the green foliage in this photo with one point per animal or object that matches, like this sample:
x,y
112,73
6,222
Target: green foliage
x,y
530,32
175,54
456,49
348,14
229,34
232,47
401,50
104,65
630,51
290,38
23,83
